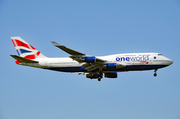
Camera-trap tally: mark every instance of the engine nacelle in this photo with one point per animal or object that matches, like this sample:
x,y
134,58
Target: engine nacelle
x,y
110,66
111,75
88,59
93,76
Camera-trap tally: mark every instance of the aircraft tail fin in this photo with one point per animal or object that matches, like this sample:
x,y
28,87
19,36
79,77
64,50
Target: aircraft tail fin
x,y
25,50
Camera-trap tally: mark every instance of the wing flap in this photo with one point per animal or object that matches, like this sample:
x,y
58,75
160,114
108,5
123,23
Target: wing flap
x,y
24,60
89,66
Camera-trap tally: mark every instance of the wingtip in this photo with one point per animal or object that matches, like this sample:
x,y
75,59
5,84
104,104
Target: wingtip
x,y
56,44
52,41
12,55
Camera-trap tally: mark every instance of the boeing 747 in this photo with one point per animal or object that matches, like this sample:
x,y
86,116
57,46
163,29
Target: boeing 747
x,y
93,66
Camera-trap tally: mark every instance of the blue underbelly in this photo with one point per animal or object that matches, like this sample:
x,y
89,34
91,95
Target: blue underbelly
x,y
127,68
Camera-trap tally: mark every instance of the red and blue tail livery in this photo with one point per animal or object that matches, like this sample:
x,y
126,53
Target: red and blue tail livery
x,y
95,67
24,49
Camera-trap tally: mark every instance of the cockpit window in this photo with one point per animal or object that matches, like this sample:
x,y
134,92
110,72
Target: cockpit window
x,y
159,54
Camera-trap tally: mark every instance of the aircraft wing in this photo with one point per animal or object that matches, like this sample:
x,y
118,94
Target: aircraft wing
x,y
68,50
96,63
75,54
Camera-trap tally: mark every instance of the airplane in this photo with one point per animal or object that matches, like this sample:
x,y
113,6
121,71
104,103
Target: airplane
x,y
93,66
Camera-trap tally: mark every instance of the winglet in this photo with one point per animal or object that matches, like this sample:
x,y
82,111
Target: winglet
x,y
68,50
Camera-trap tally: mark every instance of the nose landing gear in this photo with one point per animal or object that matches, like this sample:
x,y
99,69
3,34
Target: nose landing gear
x,y
155,74
99,79
100,76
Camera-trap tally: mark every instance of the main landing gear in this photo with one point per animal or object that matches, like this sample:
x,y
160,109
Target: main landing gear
x,y
155,74
100,76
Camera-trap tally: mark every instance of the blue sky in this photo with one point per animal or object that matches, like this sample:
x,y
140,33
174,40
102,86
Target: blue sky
x,y
100,27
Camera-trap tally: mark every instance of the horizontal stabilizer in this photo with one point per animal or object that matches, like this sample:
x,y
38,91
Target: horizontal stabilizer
x,y
24,60
68,50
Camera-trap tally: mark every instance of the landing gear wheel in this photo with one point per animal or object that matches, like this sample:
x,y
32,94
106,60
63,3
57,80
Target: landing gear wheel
x,y
155,74
99,79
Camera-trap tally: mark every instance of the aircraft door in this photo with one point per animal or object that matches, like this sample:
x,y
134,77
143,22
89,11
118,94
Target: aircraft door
x,y
150,59
46,64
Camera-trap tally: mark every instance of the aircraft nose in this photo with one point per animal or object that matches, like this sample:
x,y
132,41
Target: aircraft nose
x,y
170,62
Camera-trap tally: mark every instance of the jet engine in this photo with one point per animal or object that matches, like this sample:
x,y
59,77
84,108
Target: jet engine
x,y
111,75
110,66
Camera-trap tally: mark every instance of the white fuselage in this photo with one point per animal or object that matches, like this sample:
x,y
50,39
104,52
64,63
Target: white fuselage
x,y
131,61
